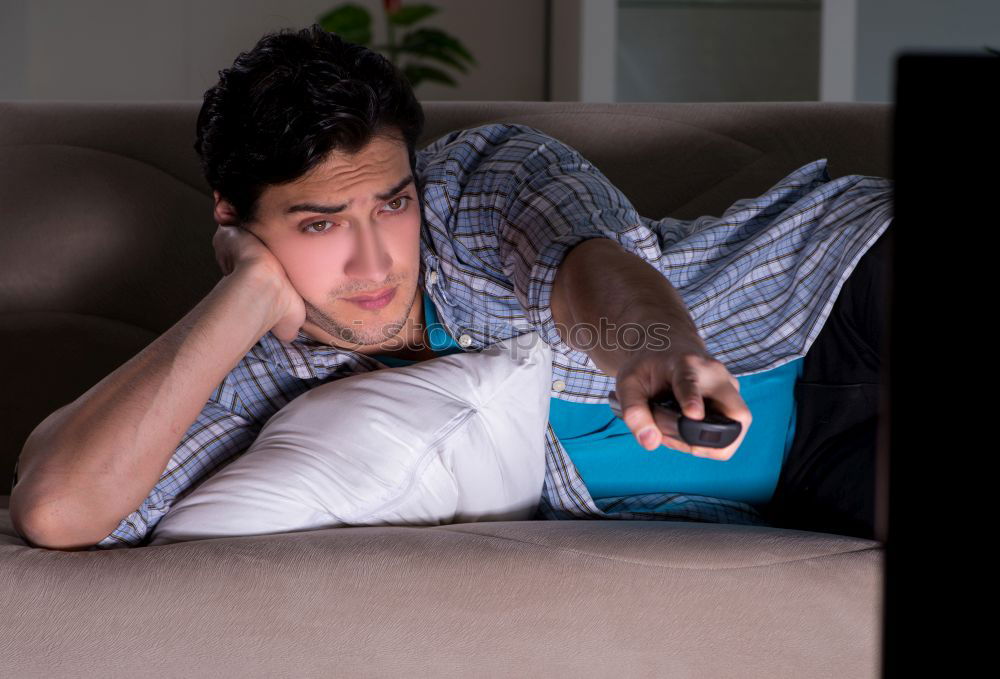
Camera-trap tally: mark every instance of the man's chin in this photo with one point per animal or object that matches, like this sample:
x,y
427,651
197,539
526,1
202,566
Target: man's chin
x,y
355,344
334,336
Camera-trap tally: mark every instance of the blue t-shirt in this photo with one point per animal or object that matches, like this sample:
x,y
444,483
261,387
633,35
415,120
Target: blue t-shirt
x,y
613,464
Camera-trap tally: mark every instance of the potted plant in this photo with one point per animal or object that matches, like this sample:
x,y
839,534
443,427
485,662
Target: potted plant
x,y
353,23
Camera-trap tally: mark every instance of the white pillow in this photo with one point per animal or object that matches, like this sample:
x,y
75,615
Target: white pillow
x,y
453,439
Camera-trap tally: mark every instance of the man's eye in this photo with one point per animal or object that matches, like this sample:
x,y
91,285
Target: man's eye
x,y
401,207
308,228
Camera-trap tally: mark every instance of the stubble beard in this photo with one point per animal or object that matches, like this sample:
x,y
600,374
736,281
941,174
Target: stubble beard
x,y
360,332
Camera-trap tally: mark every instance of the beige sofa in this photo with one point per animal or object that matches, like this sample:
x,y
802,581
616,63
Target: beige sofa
x,y
105,242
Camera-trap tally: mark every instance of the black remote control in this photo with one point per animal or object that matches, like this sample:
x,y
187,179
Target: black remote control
x,y
714,431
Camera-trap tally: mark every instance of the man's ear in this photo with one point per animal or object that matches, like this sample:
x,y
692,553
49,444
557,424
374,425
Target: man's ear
x,y
225,213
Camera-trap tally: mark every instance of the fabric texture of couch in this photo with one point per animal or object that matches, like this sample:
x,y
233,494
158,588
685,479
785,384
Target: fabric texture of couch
x,y
105,242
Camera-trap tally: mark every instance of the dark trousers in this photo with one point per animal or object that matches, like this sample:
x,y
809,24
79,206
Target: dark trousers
x,y
827,483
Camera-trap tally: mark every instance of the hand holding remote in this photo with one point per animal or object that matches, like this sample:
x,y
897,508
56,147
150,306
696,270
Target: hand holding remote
x,y
711,420
715,430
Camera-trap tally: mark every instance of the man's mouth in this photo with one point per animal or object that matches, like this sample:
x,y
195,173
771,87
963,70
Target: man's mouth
x,y
374,301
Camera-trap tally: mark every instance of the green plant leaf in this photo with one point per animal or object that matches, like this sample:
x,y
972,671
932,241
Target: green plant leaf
x,y
351,22
433,41
411,14
432,51
418,72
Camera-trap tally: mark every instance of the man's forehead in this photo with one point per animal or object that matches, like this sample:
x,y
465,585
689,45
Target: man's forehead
x,y
377,158
333,188
324,205
384,162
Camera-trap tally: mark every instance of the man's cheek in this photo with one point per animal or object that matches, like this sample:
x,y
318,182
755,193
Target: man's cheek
x,y
309,272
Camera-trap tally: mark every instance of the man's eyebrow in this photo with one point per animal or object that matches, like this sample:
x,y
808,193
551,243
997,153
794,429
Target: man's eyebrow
x,y
333,209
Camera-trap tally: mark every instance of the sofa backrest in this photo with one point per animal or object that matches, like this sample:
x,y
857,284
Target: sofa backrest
x,y
106,221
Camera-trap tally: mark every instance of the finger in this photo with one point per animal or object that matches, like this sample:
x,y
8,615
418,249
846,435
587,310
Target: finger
x,y
687,392
667,421
634,400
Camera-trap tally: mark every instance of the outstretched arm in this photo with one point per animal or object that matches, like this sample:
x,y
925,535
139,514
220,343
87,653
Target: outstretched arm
x,y
633,325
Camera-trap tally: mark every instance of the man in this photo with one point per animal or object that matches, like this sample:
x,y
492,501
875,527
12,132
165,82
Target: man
x,y
334,233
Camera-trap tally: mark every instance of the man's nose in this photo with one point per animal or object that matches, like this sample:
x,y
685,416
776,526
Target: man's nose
x,y
369,260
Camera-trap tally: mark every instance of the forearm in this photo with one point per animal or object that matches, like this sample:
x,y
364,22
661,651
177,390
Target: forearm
x,y
599,280
95,460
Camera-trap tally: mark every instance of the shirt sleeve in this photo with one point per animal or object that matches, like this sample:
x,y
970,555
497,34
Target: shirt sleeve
x,y
216,436
551,199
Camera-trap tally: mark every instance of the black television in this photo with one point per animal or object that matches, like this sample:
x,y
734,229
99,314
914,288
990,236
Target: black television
x,y
936,480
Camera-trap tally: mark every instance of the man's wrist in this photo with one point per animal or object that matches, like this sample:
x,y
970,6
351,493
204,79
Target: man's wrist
x,y
614,341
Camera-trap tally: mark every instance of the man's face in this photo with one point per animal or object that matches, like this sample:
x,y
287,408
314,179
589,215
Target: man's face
x,y
350,226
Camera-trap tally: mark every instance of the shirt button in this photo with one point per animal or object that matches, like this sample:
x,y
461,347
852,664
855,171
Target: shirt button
x,y
465,340
434,276
558,385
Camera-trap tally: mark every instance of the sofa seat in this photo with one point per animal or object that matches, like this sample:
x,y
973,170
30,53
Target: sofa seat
x,y
586,598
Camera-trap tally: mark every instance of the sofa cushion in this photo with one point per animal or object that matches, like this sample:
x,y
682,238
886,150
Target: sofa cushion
x,y
459,438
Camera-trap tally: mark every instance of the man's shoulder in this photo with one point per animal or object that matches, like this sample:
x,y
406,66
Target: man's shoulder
x,y
483,139
479,157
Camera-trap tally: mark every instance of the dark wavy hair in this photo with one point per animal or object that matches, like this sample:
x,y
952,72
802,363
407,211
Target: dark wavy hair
x,y
291,100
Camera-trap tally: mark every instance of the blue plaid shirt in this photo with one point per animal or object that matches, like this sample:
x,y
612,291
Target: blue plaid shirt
x,y
502,204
